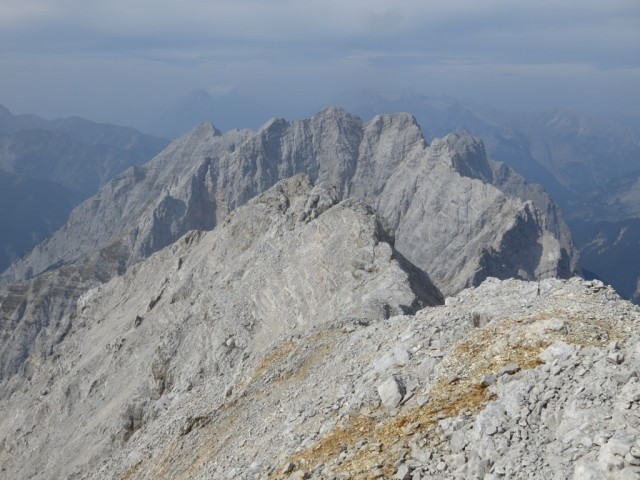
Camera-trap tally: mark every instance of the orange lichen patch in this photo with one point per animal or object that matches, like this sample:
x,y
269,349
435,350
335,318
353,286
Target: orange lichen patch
x,y
132,472
606,333
448,401
276,356
416,421
320,346
301,370
159,468
381,440
334,442
586,330
484,351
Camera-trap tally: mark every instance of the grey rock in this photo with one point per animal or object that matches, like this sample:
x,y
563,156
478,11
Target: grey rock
x,y
611,455
509,369
620,443
423,456
403,472
628,474
391,392
288,468
558,350
459,440
487,380
631,459
616,358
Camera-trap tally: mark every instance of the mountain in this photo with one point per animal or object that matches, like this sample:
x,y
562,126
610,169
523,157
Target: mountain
x,y
560,149
611,250
84,131
449,219
272,305
606,228
76,153
581,151
49,167
588,164
615,200
10,123
437,115
295,341
204,175
53,156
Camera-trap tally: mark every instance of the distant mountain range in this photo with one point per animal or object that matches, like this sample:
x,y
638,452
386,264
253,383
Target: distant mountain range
x,y
49,167
590,165
580,152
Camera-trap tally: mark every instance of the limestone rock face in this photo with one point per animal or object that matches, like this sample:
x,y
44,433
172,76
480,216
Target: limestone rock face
x,y
444,203
191,316
447,202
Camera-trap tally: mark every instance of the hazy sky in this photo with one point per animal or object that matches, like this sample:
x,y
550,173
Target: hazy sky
x,y
116,59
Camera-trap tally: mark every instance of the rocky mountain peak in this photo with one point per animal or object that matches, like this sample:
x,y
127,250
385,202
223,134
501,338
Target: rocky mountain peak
x,y
333,112
468,155
379,161
399,127
459,229
273,125
261,305
203,131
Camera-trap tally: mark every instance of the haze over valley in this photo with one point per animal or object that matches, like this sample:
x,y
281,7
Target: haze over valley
x,y
351,240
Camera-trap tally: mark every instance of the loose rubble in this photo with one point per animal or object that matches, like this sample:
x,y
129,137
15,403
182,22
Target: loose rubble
x,y
547,388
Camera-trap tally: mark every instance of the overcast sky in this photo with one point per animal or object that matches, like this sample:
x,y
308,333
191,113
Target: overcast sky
x,y
113,60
